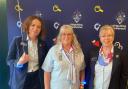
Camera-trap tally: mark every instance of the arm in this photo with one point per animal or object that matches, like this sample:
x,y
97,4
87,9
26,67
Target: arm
x,y
15,53
82,72
82,75
124,70
47,78
11,57
23,59
48,67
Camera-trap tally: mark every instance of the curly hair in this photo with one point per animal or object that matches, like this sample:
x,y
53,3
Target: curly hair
x,y
28,21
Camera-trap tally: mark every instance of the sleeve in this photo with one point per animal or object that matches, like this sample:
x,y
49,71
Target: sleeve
x,y
12,52
124,69
48,62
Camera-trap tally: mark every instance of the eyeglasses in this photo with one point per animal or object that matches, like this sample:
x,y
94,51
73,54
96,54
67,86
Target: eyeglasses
x,y
66,34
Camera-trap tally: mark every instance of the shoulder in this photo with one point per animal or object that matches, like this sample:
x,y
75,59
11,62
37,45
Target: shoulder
x,y
52,51
17,38
54,47
118,51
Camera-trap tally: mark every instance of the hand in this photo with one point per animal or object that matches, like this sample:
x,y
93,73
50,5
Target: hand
x,y
81,86
23,59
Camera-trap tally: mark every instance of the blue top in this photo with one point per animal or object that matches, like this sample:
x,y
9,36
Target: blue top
x,y
57,63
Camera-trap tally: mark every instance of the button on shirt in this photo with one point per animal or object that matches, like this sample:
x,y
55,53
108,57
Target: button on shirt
x,y
33,63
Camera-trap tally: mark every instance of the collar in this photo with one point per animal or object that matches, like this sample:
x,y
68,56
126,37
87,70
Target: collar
x,y
28,39
109,56
61,48
101,50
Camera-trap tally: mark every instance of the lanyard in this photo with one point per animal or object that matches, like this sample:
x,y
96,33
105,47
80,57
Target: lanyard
x,y
69,57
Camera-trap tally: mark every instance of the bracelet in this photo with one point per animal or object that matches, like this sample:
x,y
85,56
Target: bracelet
x,y
82,84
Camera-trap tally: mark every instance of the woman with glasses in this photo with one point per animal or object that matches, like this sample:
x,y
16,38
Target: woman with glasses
x,y
64,64
108,63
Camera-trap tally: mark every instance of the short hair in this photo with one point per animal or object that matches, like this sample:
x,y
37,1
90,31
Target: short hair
x,y
75,42
107,27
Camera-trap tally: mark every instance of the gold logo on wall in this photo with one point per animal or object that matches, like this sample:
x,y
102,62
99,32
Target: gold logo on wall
x,y
98,8
56,8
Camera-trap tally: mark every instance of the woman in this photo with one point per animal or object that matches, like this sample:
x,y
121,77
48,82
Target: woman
x,y
108,64
64,64
26,55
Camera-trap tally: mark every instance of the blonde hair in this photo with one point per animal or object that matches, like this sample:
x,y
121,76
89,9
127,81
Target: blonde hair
x,y
107,27
75,42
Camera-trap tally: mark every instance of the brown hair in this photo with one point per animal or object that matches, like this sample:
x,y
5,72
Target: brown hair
x,y
28,21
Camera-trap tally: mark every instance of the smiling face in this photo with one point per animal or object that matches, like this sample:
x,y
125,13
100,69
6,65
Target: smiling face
x,y
66,37
106,36
34,29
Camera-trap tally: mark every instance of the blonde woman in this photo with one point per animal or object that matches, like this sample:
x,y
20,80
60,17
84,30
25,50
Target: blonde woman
x,y
64,64
108,64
